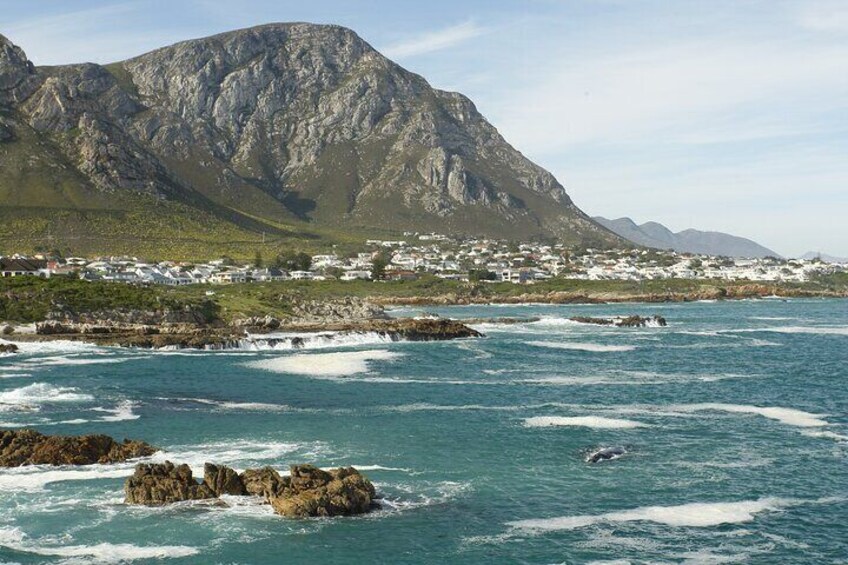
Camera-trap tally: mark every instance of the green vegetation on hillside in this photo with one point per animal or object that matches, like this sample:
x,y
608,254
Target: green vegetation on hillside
x,y
29,299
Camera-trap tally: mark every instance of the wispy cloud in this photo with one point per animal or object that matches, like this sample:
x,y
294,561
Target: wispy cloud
x,y
825,15
434,41
99,34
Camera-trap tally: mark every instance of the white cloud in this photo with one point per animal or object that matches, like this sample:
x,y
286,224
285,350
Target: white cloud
x,y
434,41
678,91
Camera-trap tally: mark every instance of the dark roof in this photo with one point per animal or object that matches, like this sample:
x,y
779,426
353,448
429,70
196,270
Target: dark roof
x,y
18,265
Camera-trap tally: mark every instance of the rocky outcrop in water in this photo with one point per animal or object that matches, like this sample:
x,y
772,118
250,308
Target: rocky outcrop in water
x,y
410,329
264,482
154,484
223,480
625,322
310,491
29,447
307,492
8,348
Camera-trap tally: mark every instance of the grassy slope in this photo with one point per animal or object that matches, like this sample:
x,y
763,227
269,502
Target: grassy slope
x,y
45,204
29,299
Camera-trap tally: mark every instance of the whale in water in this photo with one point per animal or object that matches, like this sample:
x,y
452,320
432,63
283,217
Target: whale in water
x,y
605,453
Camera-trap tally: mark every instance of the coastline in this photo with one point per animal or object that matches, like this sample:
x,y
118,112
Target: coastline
x,y
743,292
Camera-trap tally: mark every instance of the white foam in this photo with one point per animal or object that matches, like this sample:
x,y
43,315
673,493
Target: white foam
x,y
120,413
34,478
694,515
337,364
40,393
825,434
596,422
58,346
818,330
15,539
14,375
577,346
310,340
233,452
60,361
788,416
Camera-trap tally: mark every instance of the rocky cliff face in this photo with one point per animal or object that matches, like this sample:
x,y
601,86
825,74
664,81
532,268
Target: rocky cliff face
x,y
288,122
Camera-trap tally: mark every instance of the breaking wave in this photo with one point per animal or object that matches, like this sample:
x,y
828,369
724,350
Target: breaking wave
x,y
695,515
576,346
39,393
596,422
15,539
336,364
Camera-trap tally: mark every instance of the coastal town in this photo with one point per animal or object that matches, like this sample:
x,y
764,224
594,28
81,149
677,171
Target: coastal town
x,y
475,260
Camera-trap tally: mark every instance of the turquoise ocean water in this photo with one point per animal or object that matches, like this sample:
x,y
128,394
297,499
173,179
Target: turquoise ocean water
x,y
734,418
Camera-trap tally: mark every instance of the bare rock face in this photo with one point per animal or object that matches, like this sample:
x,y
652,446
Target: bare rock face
x,y
155,484
264,482
334,311
307,492
286,122
222,480
29,447
17,74
313,492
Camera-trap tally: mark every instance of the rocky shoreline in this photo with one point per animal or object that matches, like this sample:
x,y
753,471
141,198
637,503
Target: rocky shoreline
x,y
740,292
189,336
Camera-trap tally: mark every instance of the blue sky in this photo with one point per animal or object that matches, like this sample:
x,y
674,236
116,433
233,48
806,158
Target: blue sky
x,y
723,115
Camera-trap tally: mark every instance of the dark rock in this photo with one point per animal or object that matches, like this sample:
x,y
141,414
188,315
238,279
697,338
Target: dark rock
x,y
410,329
52,327
29,447
626,322
313,492
605,454
155,484
223,480
8,348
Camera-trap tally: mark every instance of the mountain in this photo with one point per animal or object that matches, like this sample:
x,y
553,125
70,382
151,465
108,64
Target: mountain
x,y
279,129
652,234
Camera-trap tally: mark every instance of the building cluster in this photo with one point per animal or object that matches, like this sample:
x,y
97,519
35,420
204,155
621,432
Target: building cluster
x,y
482,260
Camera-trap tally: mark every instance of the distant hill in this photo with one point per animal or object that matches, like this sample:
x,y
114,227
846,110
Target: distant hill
x,y
653,234
824,257
284,130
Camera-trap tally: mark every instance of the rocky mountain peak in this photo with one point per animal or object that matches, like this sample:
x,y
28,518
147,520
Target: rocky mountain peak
x,y
17,73
292,122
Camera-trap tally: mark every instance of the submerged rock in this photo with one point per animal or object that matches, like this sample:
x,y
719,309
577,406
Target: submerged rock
x,y
29,447
155,484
